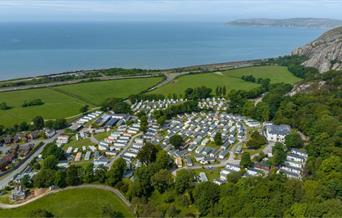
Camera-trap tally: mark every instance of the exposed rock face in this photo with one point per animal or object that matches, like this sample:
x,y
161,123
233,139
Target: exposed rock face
x,y
325,53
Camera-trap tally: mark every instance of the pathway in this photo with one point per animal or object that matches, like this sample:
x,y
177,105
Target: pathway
x,y
102,187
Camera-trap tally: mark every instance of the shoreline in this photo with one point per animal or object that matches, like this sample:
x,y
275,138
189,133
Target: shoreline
x,y
193,69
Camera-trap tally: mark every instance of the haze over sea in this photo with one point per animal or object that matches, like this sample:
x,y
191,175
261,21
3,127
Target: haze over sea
x,y
29,49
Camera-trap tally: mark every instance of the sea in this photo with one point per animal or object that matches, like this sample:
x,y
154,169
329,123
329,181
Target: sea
x,y
31,49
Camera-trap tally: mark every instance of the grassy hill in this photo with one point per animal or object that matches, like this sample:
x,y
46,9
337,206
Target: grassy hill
x,y
66,101
72,203
230,78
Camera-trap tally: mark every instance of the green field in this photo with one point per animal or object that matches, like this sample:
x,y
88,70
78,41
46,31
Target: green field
x,y
85,202
56,105
97,92
231,79
66,101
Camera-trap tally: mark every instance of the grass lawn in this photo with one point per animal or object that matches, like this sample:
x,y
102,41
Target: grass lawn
x,y
78,144
230,78
102,136
211,173
72,203
66,101
97,92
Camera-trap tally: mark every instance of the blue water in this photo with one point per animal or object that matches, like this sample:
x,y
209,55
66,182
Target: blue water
x,y
28,49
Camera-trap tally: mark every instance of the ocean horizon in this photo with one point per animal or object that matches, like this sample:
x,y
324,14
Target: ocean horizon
x,y
31,49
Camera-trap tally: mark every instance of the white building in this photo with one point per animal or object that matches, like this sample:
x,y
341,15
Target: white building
x,y
277,133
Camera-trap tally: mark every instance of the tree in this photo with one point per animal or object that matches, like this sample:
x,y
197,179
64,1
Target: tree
x,y
218,139
53,149
84,109
256,141
100,174
164,161
177,141
38,122
50,162
185,179
279,154
293,140
148,153
24,126
206,195
60,124
88,173
44,178
246,160
72,176
4,106
60,179
117,105
40,213
108,212
162,180
116,173
26,182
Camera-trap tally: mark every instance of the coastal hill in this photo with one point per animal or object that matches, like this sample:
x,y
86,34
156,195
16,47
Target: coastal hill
x,y
291,22
324,53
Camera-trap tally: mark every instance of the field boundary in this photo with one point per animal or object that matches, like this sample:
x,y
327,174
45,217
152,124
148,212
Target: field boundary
x,y
120,196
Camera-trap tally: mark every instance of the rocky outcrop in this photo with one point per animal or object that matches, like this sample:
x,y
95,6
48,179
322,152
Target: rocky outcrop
x,y
325,53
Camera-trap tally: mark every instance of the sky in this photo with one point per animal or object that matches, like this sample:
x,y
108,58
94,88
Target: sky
x,y
163,10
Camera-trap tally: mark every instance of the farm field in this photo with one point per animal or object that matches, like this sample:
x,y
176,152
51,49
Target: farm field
x,y
85,202
56,105
96,92
231,79
66,101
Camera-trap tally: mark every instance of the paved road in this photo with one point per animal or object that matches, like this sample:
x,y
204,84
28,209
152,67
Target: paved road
x,y
169,78
5,179
123,150
102,187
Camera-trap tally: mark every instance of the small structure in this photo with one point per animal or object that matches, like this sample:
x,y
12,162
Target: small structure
x,y
203,177
19,193
179,162
62,139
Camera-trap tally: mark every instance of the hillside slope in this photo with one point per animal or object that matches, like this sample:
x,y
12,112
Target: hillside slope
x,y
324,53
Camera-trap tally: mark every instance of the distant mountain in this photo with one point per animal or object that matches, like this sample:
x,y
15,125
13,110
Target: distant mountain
x,y
292,22
324,53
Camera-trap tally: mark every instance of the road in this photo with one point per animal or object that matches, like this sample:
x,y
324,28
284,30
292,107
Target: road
x,y
5,179
52,84
167,72
124,150
223,163
102,187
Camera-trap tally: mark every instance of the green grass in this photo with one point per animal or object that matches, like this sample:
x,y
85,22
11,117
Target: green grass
x,y
56,105
78,144
66,101
72,203
231,79
102,136
97,92
211,173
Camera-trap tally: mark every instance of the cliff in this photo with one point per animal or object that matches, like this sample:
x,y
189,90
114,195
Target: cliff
x,y
324,53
